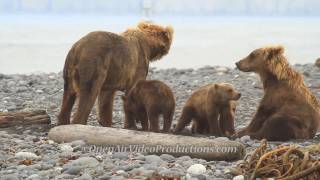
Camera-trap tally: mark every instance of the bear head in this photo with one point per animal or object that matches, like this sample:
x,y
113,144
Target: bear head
x,y
262,59
225,92
159,38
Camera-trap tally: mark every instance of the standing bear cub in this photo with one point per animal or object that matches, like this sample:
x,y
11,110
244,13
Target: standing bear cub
x,y
212,110
145,102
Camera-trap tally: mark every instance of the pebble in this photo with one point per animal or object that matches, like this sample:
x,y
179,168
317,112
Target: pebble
x,y
197,169
73,170
222,139
153,159
65,148
9,177
239,177
85,177
167,157
120,155
85,161
26,155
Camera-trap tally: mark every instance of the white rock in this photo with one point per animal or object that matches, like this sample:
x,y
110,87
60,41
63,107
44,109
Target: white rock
x,y
220,73
65,148
39,91
58,169
222,139
240,177
120,172
26,155
197,169
222,69
50,142
188,177
33,176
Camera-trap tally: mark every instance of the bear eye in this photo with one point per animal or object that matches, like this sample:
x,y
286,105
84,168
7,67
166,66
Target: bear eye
x,y
230,91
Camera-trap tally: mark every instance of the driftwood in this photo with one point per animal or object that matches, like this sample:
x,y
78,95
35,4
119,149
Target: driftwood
x,y
149,142
8,119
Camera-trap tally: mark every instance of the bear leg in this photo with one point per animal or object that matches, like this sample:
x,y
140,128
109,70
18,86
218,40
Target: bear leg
x,y
105,101
144,120
278,128
167,120
68,101
185,119
154,122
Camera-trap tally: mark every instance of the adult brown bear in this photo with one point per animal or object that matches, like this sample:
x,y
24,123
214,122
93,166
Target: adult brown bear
x,y
101,63
288,109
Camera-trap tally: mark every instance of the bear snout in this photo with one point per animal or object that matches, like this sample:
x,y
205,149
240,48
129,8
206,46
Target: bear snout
x,y
237,64
238,96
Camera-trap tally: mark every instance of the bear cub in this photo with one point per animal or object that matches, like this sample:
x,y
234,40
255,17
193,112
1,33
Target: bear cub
x,y
145,102
211,108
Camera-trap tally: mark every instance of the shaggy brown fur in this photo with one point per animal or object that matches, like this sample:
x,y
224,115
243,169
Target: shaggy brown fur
x,y
226,121
145,102
102,63
206,105
288,109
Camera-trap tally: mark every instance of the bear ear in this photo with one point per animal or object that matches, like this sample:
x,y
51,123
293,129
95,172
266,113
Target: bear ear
x,y
169,30
143,25
276,50
216,86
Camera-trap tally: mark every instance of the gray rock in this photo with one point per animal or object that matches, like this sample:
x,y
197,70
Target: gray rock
x,y
187,163
9,177
105,177
120,155
245,139
153,159
85,162
85,177
34,177
74,170
167,157
79,143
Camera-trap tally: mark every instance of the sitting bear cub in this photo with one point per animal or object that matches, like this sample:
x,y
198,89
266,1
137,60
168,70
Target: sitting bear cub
x,y
212,110
145,102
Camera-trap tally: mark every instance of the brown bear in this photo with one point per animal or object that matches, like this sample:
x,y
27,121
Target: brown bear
x,y
206,105
226,121
101,63
288,110
145,102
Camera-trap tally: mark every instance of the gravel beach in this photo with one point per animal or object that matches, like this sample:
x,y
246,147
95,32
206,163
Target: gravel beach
x,y
49,160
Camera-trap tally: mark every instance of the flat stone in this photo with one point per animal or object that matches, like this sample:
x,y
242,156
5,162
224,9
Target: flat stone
x,y
197,169
26,155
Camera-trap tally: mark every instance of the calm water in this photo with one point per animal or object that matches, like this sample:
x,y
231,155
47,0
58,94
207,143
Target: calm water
x,y
31,43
